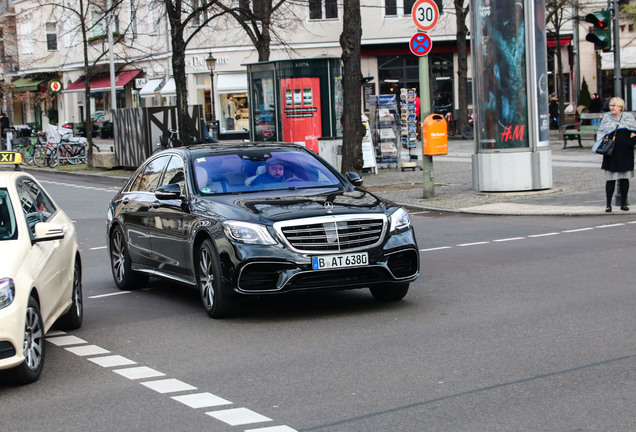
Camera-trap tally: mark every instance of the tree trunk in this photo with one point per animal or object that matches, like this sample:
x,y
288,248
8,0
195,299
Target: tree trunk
x,y
184,123
88,119
353,129
462,65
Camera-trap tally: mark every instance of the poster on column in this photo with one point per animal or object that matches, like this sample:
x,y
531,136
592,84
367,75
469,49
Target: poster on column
x,y
500,84
541,60
301,108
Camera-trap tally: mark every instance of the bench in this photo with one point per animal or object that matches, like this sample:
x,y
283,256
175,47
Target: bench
x,y
580,130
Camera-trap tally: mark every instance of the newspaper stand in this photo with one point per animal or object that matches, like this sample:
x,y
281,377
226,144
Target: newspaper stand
x,y
386,130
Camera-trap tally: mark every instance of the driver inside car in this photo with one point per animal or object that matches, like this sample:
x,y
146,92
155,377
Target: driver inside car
x,y
275,172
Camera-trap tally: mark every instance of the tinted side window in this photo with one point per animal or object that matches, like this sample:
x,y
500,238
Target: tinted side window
x,y
174,173
152,174
36,205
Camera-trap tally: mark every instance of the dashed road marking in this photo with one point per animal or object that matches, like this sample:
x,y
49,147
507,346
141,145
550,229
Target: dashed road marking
x,y
548,234
232,416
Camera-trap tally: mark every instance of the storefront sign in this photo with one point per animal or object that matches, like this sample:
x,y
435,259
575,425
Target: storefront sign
x,y
55,86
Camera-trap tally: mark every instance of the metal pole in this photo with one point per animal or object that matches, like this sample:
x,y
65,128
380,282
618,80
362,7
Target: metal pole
x,y
577,63
215,123
618,87
425,107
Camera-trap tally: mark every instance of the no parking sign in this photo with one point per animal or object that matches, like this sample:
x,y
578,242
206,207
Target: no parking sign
x,y
420,44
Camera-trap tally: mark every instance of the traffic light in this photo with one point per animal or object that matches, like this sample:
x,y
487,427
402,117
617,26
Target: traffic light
x,y
601,36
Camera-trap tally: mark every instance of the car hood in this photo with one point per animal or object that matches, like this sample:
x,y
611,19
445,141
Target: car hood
x,y
282,205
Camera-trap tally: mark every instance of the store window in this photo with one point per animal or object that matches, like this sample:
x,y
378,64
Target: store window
x,y
399,8
234,112
442,83
395,72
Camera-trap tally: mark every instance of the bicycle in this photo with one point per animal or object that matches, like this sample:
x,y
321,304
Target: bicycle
x,y
167,142
71,152
24,146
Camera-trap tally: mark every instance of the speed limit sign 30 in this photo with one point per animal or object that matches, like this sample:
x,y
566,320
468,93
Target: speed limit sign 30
x,y
425,14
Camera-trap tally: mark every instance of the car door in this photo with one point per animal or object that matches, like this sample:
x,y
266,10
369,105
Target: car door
x,y
167,226
133,213
47,261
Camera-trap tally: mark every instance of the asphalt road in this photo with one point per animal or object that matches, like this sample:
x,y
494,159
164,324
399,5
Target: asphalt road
x,y
512,326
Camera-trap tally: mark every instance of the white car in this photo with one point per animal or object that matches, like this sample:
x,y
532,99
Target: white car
x,y
40,272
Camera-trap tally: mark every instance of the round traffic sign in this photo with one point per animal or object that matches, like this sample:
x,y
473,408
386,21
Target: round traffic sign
x,y
420,44
425,14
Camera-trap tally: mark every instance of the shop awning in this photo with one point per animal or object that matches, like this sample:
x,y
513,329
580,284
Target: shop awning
x,y
628,59
149,89
26,84
170,89
101,82
231,83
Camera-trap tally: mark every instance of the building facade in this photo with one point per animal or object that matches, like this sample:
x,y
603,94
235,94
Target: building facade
x,y
49,46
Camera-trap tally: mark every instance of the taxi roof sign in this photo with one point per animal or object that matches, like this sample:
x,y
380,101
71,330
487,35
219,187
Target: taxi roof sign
x,y
10,158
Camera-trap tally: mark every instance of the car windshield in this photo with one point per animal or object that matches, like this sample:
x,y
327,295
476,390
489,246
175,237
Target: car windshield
x,y
8,229
255,170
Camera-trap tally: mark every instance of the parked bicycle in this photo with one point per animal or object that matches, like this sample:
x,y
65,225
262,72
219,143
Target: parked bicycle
x,y
71,152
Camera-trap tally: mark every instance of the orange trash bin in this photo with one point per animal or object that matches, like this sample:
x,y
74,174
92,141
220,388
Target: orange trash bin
x,y
435,135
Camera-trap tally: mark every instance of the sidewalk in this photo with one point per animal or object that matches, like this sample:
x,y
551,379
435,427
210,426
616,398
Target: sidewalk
x,y
578,184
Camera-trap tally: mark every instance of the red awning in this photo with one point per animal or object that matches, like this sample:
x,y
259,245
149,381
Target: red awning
x,y
564,41
101,82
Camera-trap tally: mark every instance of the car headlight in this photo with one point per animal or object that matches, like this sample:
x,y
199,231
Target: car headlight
x,y
246,232
7,292
400,221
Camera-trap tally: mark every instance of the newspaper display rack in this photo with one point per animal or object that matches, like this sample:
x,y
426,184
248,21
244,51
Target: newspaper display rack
x,y
385,128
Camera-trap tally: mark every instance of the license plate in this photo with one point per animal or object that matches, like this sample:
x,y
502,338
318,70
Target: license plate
x,y
339,261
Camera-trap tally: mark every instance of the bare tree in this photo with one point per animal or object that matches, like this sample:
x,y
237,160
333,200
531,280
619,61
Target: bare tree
x,y
461,12
353,129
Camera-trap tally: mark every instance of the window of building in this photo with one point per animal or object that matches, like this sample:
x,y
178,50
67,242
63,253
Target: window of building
x,y
98,24
51,36
399,8
323,9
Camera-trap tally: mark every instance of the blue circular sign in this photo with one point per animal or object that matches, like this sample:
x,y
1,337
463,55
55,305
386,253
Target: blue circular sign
x,y
420,44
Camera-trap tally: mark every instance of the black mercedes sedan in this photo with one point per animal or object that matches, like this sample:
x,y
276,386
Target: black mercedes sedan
x,y
254,219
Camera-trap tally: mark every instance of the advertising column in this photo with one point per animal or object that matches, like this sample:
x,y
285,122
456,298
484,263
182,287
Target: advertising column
x,y
510,89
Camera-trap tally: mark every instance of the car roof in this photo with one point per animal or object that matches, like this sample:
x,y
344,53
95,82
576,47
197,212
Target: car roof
x,y
8,175
225,146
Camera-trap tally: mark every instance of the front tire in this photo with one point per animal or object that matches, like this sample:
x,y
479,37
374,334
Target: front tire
x,y
33,348
390,292
72,319
120,263
208,274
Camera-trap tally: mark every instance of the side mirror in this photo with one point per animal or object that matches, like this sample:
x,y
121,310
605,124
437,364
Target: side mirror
x,y
354,178
45,231
168,192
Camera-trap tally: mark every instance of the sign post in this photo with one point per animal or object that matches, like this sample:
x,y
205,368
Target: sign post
x,y
425,15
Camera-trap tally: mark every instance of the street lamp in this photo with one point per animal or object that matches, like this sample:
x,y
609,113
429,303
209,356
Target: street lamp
x,y
211,62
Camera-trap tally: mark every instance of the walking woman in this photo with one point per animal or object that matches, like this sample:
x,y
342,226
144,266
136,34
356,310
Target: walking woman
x,y
620,165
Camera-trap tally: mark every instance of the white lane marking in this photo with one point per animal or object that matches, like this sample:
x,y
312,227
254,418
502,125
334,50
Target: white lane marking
x,y
238,416
79,186
436,248
66,340
273,429
97,248
473,244
110,294
170,385
577,230
201,400
508,239
544,235
139,372
193,400
112,361
86,350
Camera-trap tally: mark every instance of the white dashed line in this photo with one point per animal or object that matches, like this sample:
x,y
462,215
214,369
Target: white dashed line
x,y
110,294
140,372
170,385
86,350
201,400
97,248
508,239
233,416
238,416
66,340
112,361
503,240
473,244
